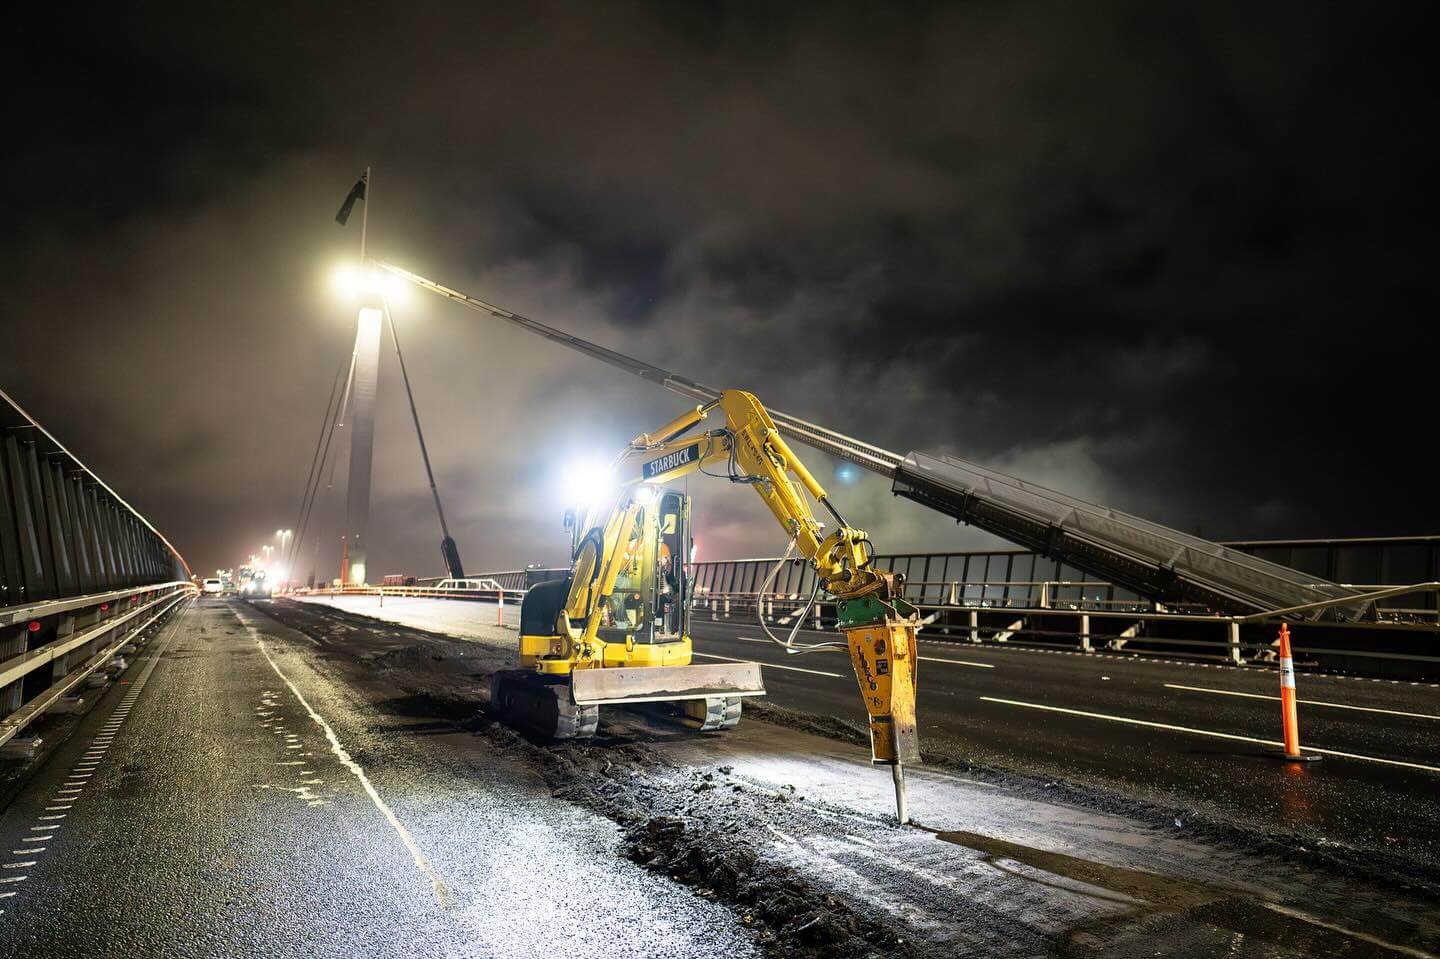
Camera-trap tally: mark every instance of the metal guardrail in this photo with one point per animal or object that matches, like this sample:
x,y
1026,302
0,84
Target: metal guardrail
x,y
68,641
1393,561
63,531
499,593
80,568
1136,628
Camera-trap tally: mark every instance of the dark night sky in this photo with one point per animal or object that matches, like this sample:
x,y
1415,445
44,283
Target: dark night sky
x,y
1175,258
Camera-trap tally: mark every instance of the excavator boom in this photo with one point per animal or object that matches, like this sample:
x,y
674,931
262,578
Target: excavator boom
x,y
878,624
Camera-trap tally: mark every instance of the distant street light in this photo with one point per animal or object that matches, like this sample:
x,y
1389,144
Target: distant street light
x,y
282,571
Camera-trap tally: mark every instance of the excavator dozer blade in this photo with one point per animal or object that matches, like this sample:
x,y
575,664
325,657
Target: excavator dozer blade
x,y
664,684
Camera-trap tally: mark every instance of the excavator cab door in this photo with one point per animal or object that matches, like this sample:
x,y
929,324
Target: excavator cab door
x,y
672,549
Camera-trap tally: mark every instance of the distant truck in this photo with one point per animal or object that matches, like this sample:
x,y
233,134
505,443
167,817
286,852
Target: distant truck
x,y
398,579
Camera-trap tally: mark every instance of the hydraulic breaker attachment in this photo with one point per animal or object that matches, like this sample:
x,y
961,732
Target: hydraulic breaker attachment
x,y
663,684
885,656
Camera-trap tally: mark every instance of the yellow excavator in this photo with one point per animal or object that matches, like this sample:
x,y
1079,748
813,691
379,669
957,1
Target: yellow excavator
x,y
615,630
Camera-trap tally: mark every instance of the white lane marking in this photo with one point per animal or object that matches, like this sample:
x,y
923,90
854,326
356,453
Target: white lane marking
x,y
41,829
793,669
18,865
28,852
14,879
50,818
442,894
60,807
955,662
1303,702
1207,732
928,659
1352,933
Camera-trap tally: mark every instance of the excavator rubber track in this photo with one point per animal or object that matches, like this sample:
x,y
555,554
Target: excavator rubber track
x,y
526,700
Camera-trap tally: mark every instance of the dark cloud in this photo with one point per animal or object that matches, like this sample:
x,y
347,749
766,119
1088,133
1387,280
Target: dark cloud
x,y
1172,259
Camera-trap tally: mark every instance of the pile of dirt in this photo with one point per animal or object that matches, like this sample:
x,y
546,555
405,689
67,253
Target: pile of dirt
x,y
675,823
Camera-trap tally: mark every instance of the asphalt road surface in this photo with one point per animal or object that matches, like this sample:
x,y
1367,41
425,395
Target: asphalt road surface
x,y
1184,738
284,779
1179,734
229,798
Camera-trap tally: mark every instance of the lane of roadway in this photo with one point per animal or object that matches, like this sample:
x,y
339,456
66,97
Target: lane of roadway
x,y
1181,734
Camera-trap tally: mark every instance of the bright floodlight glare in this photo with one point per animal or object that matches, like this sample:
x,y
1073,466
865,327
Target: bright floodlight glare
x,y
391,286
644,494
350,281
586,484
347,280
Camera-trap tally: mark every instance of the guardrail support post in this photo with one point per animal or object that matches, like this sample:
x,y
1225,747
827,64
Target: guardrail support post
x,y
726,614
819,622
1233,646
974,626
1085,632
953,600
1044,595
63,630
12,644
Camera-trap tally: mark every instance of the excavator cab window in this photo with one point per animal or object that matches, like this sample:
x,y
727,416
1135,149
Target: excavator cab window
x,y
671,550
647,603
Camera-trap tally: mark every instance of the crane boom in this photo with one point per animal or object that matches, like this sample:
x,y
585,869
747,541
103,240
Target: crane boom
x,y
1129,551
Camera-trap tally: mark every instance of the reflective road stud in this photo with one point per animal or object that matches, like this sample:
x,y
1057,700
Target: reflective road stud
x,y
1289,715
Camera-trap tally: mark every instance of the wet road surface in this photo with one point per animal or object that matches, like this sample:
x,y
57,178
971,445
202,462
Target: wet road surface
x,y
230,798
1077,719
1180,735
991,869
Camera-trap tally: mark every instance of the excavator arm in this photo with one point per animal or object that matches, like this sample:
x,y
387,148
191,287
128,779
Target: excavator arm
x,y
879,626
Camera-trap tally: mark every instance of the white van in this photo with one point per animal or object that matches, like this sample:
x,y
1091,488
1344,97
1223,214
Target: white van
x,y
213,586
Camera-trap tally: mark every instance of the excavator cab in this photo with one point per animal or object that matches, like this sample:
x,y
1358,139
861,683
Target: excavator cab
x,y
616,630
649,603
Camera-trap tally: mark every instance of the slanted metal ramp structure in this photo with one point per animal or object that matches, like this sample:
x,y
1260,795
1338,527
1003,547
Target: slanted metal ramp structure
x,y
1153,560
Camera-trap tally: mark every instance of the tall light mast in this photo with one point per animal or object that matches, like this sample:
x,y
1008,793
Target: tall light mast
x,y
362,436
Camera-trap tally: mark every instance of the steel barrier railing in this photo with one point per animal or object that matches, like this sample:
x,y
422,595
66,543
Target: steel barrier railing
x,y
426,592
1133,627
1140,629
64,642
78,567
63,531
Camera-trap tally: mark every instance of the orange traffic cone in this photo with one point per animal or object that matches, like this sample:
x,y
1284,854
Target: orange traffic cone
x,y
1288,713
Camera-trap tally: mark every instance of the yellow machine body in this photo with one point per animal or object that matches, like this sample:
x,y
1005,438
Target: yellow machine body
x,y
615,630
